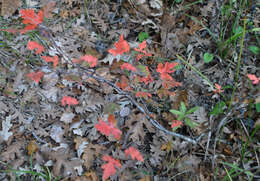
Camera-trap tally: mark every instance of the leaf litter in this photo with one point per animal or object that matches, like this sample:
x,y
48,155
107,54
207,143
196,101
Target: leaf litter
x,y
60,107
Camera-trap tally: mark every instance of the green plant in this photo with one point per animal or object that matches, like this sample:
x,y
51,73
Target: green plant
x,y
208,57
254,49
182,115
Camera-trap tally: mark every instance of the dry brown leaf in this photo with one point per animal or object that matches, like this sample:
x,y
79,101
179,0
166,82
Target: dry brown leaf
x,y
9,7
32,147
90,152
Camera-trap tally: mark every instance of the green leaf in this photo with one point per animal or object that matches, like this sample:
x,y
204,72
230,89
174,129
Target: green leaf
x,y
190,123
257,106
208,57
192,110
180,118
254,49
219,108
178,1
183,107
142,69
143,36
176,112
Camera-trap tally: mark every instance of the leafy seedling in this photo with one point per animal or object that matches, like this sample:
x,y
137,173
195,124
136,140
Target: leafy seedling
x,y
254,49
207,57
182,114
143,36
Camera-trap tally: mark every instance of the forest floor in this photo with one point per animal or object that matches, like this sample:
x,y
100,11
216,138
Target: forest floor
x,y
145,90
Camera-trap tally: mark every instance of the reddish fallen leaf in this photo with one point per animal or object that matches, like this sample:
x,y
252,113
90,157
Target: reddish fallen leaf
x,y
128,66
124,84
218,89
121,47
111,119
134,153
67,100
164,70
36,76
140,49
31,19
107,129
54,60
31,45
48,8
253,78
143,94
92,61
109,168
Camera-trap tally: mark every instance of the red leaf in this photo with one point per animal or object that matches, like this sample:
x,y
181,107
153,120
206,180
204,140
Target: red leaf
x,y
109,168
121,47
36,76
31,19
143,94
107,129
14,31
92,61
176,123
54,59
34,45
134,153
168,68
128,66
123,84
111,119
253,78
69,100
141,48
218,89
148,78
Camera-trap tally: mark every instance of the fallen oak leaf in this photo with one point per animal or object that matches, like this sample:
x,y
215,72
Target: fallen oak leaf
x,y
134,153
54,60
109,168
31,45
69,100
36,76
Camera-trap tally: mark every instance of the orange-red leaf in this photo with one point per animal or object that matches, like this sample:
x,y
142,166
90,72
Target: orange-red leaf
x,y
143,94
128,66
164,70
69,100
218,89
176,123
109,168
54,60
140,49
121,47
36,76
134,153
107,129
31,19
31,45
92,61
253,78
